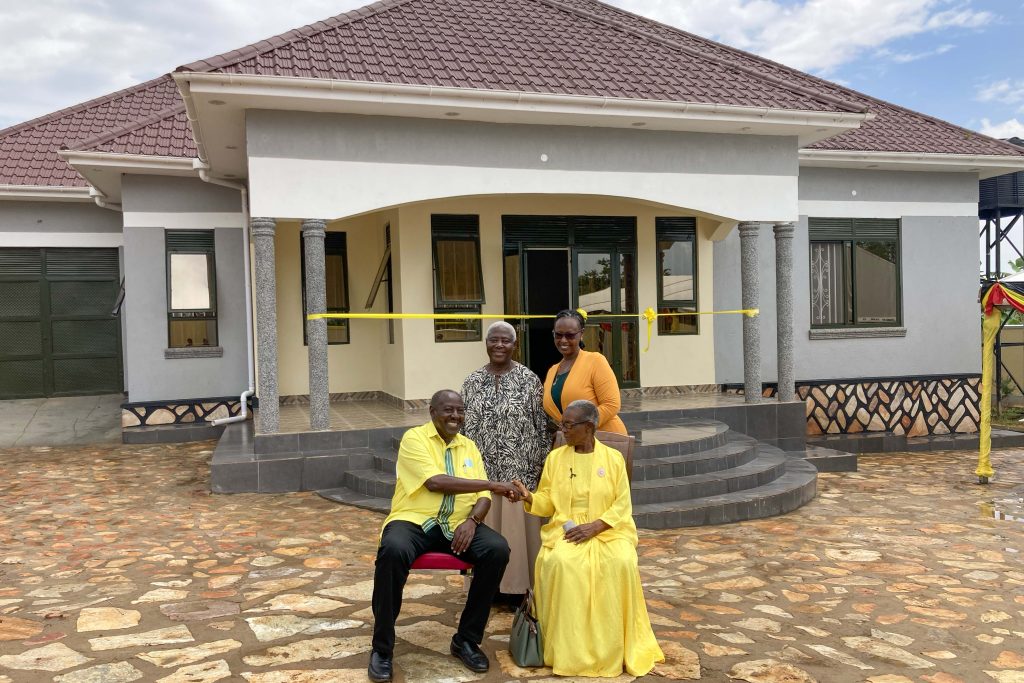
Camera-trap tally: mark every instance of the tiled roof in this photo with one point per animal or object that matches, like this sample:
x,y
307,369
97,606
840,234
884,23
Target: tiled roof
x,y
167,134
28,151
894,128
516,45
581,47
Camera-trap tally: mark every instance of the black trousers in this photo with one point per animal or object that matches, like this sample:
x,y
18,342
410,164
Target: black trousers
x,y
400,545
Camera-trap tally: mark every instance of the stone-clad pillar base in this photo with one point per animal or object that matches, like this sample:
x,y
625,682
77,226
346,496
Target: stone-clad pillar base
x,y
751,283
784,309
268,419
313,233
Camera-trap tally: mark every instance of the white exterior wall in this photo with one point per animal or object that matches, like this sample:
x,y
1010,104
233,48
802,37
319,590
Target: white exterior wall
x,y
335,166
938,269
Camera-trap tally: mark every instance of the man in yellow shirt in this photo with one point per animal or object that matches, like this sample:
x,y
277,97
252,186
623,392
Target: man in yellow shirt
x,y
441,498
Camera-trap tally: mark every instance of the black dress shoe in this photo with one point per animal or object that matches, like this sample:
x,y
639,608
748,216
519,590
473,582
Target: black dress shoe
x,y
379,670
470,654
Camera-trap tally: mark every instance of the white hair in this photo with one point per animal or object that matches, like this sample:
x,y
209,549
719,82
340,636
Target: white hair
x,y
501,325
588,411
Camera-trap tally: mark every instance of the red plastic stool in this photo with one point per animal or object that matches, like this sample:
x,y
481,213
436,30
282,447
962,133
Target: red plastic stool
x,y
441,561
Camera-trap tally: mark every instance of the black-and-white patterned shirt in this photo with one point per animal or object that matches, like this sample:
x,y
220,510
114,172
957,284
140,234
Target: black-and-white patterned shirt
x,y
505,417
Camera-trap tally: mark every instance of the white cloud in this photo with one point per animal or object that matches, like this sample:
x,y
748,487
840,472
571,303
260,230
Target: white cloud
x,y
811,35
60,52
906,57
1005,129
1006,90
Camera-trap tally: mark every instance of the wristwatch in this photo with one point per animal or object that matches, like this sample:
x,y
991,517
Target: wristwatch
x,y
478,521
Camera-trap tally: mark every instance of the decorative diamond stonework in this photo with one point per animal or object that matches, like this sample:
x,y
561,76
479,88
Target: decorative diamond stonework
x,y
904,407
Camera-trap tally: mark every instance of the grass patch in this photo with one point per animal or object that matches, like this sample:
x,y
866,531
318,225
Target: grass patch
x,y
1009,418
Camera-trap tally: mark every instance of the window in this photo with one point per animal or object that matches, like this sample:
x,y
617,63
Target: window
x,y
458,277
855,272
191,288
677,274
336,263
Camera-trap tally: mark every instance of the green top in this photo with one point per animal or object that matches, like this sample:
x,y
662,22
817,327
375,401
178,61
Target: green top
x,y
556,389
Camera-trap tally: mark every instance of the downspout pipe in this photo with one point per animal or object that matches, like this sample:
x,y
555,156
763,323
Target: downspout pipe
x,y
204,175
101,200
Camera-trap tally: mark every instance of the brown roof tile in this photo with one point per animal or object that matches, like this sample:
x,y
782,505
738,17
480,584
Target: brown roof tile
x,y
28,151
540,47
579,47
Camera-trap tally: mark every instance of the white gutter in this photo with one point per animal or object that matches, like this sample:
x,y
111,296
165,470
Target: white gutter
x,y
985,165
45,192
185,89
399,96
204,175
126,163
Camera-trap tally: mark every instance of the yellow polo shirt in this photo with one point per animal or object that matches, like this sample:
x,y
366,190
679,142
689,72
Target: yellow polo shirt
x,y
420,457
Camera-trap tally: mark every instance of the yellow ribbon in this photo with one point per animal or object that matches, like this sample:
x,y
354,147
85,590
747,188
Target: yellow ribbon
x,y
649,314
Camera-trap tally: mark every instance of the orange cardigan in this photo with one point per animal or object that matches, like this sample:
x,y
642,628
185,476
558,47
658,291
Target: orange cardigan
x,y
590,379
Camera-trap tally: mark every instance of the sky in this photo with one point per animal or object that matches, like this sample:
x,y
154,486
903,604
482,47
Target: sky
x,y
954,59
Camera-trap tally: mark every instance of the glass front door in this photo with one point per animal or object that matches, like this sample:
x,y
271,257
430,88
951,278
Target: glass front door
x,y
605,286
557,262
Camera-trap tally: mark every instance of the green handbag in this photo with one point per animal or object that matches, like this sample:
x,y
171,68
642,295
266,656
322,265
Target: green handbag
x,y
526,642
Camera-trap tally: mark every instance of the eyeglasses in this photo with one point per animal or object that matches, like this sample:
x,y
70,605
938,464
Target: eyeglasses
x,y
566,426
564,335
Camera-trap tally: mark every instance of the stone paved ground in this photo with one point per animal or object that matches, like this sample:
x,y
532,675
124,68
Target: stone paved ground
x,y
116,564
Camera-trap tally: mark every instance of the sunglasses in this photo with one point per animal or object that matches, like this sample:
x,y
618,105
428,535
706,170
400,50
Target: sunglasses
x,y
564,335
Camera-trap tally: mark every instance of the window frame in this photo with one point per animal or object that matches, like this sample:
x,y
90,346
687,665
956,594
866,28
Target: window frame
x,y
462,228
676,229
847,232
205,244
338,248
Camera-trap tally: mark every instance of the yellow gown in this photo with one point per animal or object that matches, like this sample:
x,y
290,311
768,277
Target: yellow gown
x,y
589,600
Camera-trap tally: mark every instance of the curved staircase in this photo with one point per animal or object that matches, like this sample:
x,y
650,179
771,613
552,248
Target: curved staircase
x,y
686,472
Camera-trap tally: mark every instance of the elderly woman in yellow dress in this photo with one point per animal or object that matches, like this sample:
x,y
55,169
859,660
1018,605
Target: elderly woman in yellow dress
x,y
590,604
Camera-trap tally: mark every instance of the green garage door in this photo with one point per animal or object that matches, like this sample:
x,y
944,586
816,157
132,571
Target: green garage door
x,y
57,337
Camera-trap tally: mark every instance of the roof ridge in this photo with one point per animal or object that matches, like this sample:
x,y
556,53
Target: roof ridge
x,y
288,37
81,106
114,133
803,75
775,80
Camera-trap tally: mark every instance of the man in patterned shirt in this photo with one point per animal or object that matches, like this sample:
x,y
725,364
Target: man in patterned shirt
x,y
441,498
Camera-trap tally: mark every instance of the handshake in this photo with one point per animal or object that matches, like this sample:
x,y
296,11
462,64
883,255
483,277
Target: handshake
x,y
514,491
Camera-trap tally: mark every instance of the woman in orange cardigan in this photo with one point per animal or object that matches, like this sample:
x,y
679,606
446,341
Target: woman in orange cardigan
x,y
582,375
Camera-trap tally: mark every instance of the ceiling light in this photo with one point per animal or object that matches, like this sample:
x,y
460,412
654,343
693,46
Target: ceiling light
x,y
217,103
451,113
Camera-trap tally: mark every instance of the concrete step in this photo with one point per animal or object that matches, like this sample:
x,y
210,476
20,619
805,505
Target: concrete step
x,y
689,435
797,486
370,482
738,450
347,496
827,459
762,470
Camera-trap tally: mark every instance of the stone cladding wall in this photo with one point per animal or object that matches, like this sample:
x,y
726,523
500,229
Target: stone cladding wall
x,y
151,414
910,407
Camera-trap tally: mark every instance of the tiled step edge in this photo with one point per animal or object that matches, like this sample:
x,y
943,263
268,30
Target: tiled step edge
x,y
347,496
827,459
795,488
761,471
739,450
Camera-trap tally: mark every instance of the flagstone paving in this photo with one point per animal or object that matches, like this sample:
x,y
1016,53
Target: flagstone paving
x,y
117,564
